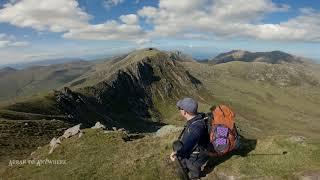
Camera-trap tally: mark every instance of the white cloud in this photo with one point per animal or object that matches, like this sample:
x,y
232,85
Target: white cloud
x,y
307,10
203,19
10,41
19,43
243,10
182,6
66,16
55,16
129,19
4,43
232,18
111,30
110,3
128,30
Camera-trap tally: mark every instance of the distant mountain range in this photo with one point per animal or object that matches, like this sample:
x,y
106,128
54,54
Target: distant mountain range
x,y
6,70
273,57
31,80
45,62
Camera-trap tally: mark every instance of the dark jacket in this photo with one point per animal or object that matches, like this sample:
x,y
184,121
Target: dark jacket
x,y
194,137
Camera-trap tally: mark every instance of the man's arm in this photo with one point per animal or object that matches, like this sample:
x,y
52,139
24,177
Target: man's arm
x,y
189,141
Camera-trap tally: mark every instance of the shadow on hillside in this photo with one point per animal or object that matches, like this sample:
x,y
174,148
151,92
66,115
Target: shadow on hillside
x,y
246,146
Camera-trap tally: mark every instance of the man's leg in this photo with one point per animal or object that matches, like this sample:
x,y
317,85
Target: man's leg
x,y
182,169
194,164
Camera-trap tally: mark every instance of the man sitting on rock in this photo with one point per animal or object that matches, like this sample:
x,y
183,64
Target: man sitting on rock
x,y
190,148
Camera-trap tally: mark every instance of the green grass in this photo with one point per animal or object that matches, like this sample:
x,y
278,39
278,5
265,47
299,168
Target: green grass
x,y
262,107
37,105
101,155
268,160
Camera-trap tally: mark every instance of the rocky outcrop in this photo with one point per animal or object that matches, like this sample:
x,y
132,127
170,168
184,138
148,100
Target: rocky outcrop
x,y
179,56
98,125
55,142
168,129
71,131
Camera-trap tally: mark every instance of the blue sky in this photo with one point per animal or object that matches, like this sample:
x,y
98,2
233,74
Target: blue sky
x,y
33,30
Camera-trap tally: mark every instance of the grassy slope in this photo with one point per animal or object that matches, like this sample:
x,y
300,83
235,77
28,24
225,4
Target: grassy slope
x,y
262,106
98,155
31,108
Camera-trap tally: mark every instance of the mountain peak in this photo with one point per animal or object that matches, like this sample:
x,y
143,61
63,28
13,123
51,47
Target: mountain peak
x,y
155,54
130,87
141,55
233,54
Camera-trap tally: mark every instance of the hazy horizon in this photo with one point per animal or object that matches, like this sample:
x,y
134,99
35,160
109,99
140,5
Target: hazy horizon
x,y
198,55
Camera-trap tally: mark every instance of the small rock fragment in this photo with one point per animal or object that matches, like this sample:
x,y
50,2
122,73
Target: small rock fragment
x,y
81,134
297,139
54,143
71,131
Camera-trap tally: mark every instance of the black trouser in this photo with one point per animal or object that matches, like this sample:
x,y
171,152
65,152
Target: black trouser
x,y
193,164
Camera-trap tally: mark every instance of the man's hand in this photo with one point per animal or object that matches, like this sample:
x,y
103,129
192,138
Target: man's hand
x,y
173,156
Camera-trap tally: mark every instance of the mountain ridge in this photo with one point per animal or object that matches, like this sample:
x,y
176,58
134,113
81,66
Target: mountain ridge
x,y
133,83
272,57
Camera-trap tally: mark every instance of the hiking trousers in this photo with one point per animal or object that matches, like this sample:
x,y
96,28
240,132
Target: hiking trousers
x,y
193,164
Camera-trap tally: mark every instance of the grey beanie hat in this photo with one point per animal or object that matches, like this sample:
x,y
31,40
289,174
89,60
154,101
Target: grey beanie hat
x,y
188,104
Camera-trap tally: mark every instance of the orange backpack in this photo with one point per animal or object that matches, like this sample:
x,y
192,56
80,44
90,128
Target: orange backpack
x,y
222,131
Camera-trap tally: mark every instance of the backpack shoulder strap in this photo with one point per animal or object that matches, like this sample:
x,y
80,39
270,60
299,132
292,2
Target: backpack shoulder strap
x,y
182,133
204,119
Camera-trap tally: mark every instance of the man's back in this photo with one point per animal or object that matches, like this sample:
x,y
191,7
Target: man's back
x,y
194,137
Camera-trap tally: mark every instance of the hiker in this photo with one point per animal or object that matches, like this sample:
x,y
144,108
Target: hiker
x,y
190,149
204,135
